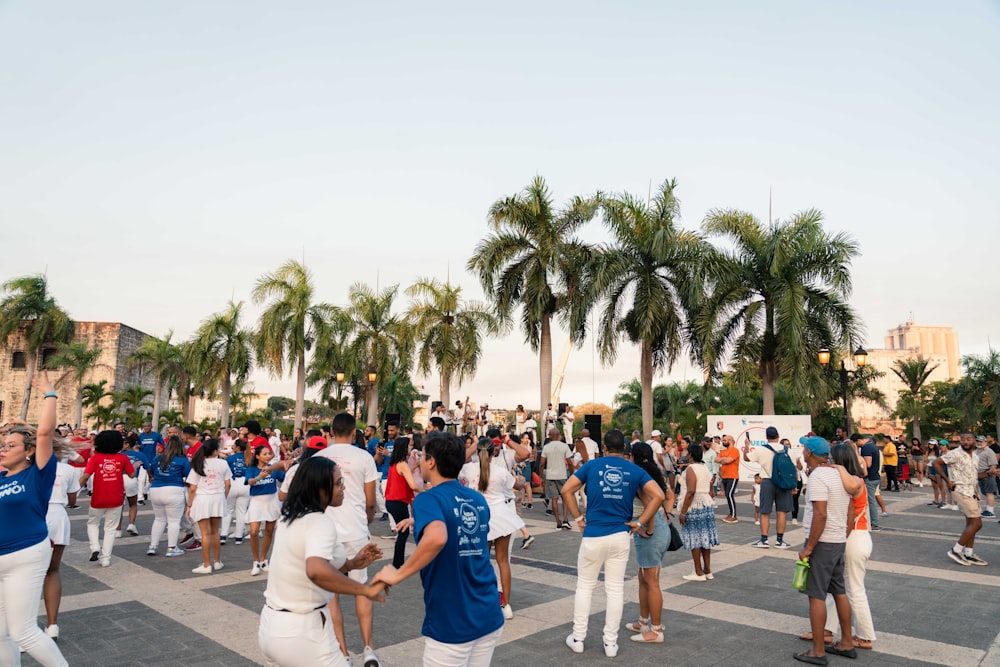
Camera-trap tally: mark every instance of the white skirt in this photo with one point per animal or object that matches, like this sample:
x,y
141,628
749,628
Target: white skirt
x,y
503,520
131,486
206,506
58,522
264,508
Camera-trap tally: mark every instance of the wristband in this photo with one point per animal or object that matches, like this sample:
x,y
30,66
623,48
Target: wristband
x,y
580,518
51,394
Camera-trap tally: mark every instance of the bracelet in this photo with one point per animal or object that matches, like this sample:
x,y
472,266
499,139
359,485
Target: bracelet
x,y
579,518
51,394
648,534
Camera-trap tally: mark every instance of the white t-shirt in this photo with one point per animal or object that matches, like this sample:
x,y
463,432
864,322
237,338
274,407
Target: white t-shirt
x,y
358,467
555,454
657,448
67,482
288,587
213,482
500,482
765,457
592,448
549,417
825,484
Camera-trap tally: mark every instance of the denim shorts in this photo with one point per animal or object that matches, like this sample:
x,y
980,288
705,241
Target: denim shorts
x,y
649,550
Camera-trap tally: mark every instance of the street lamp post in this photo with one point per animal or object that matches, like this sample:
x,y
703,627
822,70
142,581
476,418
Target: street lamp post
x,y
860,358
355,385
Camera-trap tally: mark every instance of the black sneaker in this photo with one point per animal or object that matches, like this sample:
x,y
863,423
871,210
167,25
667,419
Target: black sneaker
x,y
526,541
94,556
565,525
548,512
959,558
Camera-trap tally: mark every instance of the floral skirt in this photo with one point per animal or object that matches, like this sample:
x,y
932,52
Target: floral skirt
x,y
698,531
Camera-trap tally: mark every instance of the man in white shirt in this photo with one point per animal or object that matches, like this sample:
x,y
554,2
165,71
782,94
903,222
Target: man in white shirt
x,y
360,477
590,450
656,444
556,461
548,418
567,421
275,440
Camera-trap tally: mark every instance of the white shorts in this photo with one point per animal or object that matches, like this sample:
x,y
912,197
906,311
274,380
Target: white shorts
x,y
503,520
207,506
131,486
58,522
264,508
351,548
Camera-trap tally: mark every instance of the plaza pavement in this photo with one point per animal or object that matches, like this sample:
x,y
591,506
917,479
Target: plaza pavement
x,y
927,610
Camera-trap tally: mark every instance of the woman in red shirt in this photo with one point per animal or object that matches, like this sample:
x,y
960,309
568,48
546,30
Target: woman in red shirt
x,y
400,487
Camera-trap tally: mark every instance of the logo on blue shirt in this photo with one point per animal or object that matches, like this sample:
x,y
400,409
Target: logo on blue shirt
x,y
469,518
613,477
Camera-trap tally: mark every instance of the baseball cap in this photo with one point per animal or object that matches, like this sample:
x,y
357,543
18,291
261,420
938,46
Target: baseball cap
x,y
655,433
942,441
317,442
980,438
771,433
815,444
932,441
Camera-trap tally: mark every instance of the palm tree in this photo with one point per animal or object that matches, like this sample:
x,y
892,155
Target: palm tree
x,y
224,350
643,279
382,340
450,331
102,414
628,404
163,359
914,372
29,308
132,403
169,417
398,394
79,359
534,260
289,325
779,295
333,353
982,379
94,393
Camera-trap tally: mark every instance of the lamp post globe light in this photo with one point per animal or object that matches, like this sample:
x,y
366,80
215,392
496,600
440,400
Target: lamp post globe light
x,y
860,360
355,385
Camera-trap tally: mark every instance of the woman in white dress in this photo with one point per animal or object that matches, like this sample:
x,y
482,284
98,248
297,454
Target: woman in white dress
x,y
63,492
491,478
209,482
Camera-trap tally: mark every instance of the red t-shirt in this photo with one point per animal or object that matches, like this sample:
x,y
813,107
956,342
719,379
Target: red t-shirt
x,y
109,487
192,449
258,441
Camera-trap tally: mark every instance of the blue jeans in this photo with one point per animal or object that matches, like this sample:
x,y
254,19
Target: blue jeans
x,y
873,511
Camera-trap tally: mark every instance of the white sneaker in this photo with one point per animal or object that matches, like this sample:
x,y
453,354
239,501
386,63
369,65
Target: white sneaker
x,y
371,660
611,650
106,562
218,566
132,530
508,613
795,522
573,644
757,522
255,570
694,577
118,533
263,566
52,631
203,569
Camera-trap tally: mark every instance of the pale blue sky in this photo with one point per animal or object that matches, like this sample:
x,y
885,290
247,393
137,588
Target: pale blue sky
x,y
158,157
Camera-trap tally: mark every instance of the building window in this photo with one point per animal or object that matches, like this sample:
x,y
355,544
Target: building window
x,y
18,362
47,354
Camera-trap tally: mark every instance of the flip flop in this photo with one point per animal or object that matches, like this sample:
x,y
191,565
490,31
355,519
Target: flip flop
x,y
808,636
842,652
862,643
811,659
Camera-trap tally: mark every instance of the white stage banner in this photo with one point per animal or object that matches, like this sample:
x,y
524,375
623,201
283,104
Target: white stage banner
x,y
753,427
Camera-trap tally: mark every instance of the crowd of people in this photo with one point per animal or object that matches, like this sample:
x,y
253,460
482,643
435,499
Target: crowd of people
x,y
306,503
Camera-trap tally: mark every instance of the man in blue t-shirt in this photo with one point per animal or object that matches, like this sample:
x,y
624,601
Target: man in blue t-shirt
x,y
382,452
462,616
611,484
873,480
149,440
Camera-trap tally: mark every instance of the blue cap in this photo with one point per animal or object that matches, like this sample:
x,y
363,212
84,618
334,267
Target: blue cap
x,y
815,444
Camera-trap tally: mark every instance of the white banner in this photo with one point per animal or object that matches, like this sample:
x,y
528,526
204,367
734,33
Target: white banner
x,y
753,427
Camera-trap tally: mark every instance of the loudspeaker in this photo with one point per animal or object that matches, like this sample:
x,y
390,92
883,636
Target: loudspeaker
x,y
393,417
562,407
593,424
434,406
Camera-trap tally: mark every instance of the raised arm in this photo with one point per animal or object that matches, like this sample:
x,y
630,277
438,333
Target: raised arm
x,y
47,420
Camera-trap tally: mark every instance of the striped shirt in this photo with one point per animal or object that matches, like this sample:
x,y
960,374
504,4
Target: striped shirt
x,y
962,471
825,485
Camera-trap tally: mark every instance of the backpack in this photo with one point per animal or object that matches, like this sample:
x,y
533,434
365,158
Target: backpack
x,y
783,473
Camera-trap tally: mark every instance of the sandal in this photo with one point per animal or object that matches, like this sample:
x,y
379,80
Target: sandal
x,y
656,630
808,636
642,625
862,643
811,659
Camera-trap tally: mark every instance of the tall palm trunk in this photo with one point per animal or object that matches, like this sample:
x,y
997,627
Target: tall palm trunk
x,y
646,380
545,362
32,362
446,389
156,402
916,428
79,404
372,406
768,367
227,387
300,389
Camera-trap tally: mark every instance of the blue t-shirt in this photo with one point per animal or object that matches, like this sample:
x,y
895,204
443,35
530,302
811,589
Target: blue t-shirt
x,y
237,464
373,450
174,475
26,497
869,449
460,588
266,486
611,484
138,459
148,443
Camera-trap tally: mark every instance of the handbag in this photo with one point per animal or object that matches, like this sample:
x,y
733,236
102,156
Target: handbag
x,y
675,537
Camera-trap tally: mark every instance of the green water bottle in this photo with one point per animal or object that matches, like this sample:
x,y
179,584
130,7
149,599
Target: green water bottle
x,y
801,574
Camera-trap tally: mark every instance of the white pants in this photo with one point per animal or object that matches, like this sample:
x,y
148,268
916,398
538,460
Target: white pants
x,y
477,653
21,576
611,553
298,640
143,483
857,551
109,517
380,498
237,503
168,508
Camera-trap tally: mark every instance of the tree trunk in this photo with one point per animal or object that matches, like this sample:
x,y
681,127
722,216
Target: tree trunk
x,y
156,403
545,363
227,387
300,390
372,406
79,405
916,428
32,359
767,394
646,380
446,390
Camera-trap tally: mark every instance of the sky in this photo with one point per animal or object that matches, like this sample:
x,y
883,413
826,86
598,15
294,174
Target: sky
x,y
157,158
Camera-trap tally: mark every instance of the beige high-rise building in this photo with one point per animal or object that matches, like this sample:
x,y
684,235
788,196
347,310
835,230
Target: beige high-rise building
x,y
939,345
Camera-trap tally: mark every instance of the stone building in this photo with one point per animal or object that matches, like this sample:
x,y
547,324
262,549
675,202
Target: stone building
x,y
939,345
116,342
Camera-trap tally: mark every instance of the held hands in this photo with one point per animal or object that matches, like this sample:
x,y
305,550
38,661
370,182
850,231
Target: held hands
x,y
388,575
